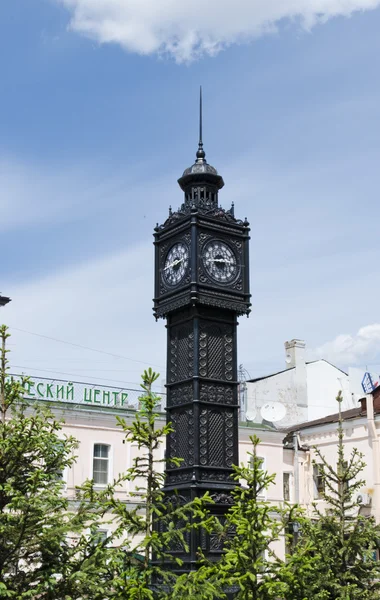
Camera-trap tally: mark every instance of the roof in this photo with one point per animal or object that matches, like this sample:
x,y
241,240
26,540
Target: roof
x,y
252,425
352,413
347,415
310,362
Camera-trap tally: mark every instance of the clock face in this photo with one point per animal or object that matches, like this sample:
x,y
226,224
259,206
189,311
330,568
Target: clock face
x,y
176,264
220,262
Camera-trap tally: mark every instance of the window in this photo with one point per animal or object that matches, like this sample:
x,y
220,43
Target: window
x,y
261,459
101,536
318,482
292,533
100,464
95,538
342,469
63,475
286,486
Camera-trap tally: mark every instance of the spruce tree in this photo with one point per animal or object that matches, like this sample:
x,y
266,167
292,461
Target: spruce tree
x,y
47,550
145,535
249,564
50,547
338,544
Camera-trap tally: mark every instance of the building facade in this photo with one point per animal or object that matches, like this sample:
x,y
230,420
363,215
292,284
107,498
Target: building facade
x,y
303,391
103,454
361,427
290,453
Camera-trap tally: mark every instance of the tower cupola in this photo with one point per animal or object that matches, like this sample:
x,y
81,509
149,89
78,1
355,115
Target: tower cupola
x,y
201,182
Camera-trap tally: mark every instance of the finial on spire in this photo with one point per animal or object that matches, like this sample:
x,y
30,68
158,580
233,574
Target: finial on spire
x,y
200,152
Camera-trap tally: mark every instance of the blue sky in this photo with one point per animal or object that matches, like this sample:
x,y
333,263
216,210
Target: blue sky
x,y
94,135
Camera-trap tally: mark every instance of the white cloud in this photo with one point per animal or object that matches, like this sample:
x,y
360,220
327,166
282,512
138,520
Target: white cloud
x,y
360,349
188,29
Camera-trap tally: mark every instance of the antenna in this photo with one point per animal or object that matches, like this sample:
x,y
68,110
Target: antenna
x,y
200,152
273,411
243,375
200,116
251,415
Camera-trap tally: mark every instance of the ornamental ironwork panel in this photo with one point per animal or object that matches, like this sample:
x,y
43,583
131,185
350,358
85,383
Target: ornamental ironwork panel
x,y
217,541
181,440
178,477
216,350
216,394
172,502
181,352
216,442
180,395
216,476
216,456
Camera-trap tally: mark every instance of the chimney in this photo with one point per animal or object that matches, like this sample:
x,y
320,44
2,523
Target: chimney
x,y
295,354
295,359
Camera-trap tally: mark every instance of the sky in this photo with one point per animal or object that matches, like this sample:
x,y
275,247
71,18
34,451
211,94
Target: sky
x,y
98,119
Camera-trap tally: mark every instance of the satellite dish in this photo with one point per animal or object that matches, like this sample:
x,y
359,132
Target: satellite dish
x,y
251,415
273,411
288,359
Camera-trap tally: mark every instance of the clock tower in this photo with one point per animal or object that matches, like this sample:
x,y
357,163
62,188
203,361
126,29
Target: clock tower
x,y
201,287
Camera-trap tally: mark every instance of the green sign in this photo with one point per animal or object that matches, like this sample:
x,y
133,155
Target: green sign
x,y
80,393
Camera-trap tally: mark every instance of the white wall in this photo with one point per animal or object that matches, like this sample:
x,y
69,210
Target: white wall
x,y
279,388
325,438
323,382
91,426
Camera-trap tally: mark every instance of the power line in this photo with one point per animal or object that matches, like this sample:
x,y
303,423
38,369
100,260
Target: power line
x,y
85,347
75,375
51,368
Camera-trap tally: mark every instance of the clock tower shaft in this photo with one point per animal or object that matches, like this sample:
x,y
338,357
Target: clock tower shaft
x,y
201,287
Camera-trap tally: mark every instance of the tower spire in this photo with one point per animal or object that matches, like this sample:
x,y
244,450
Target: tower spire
x,y
200,152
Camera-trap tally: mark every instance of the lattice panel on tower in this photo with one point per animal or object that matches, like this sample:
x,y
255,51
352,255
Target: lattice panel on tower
x,y
215,344
181,352
216,351
216,434
216,442
181,440
172,502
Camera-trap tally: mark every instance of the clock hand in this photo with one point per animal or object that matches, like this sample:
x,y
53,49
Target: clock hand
x,y
221,260
174,263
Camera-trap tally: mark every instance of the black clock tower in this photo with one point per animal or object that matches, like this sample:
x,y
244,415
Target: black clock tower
x,y
201,287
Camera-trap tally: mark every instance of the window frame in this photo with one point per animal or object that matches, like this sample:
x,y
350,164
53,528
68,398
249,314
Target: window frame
x,y
64,478
263,495
289,474
109,459
103,533
318,482
343,487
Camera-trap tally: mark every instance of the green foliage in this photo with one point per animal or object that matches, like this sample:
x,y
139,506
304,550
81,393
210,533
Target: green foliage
x,y
50,547
44,553
252,525
202,584
334,557
152,527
